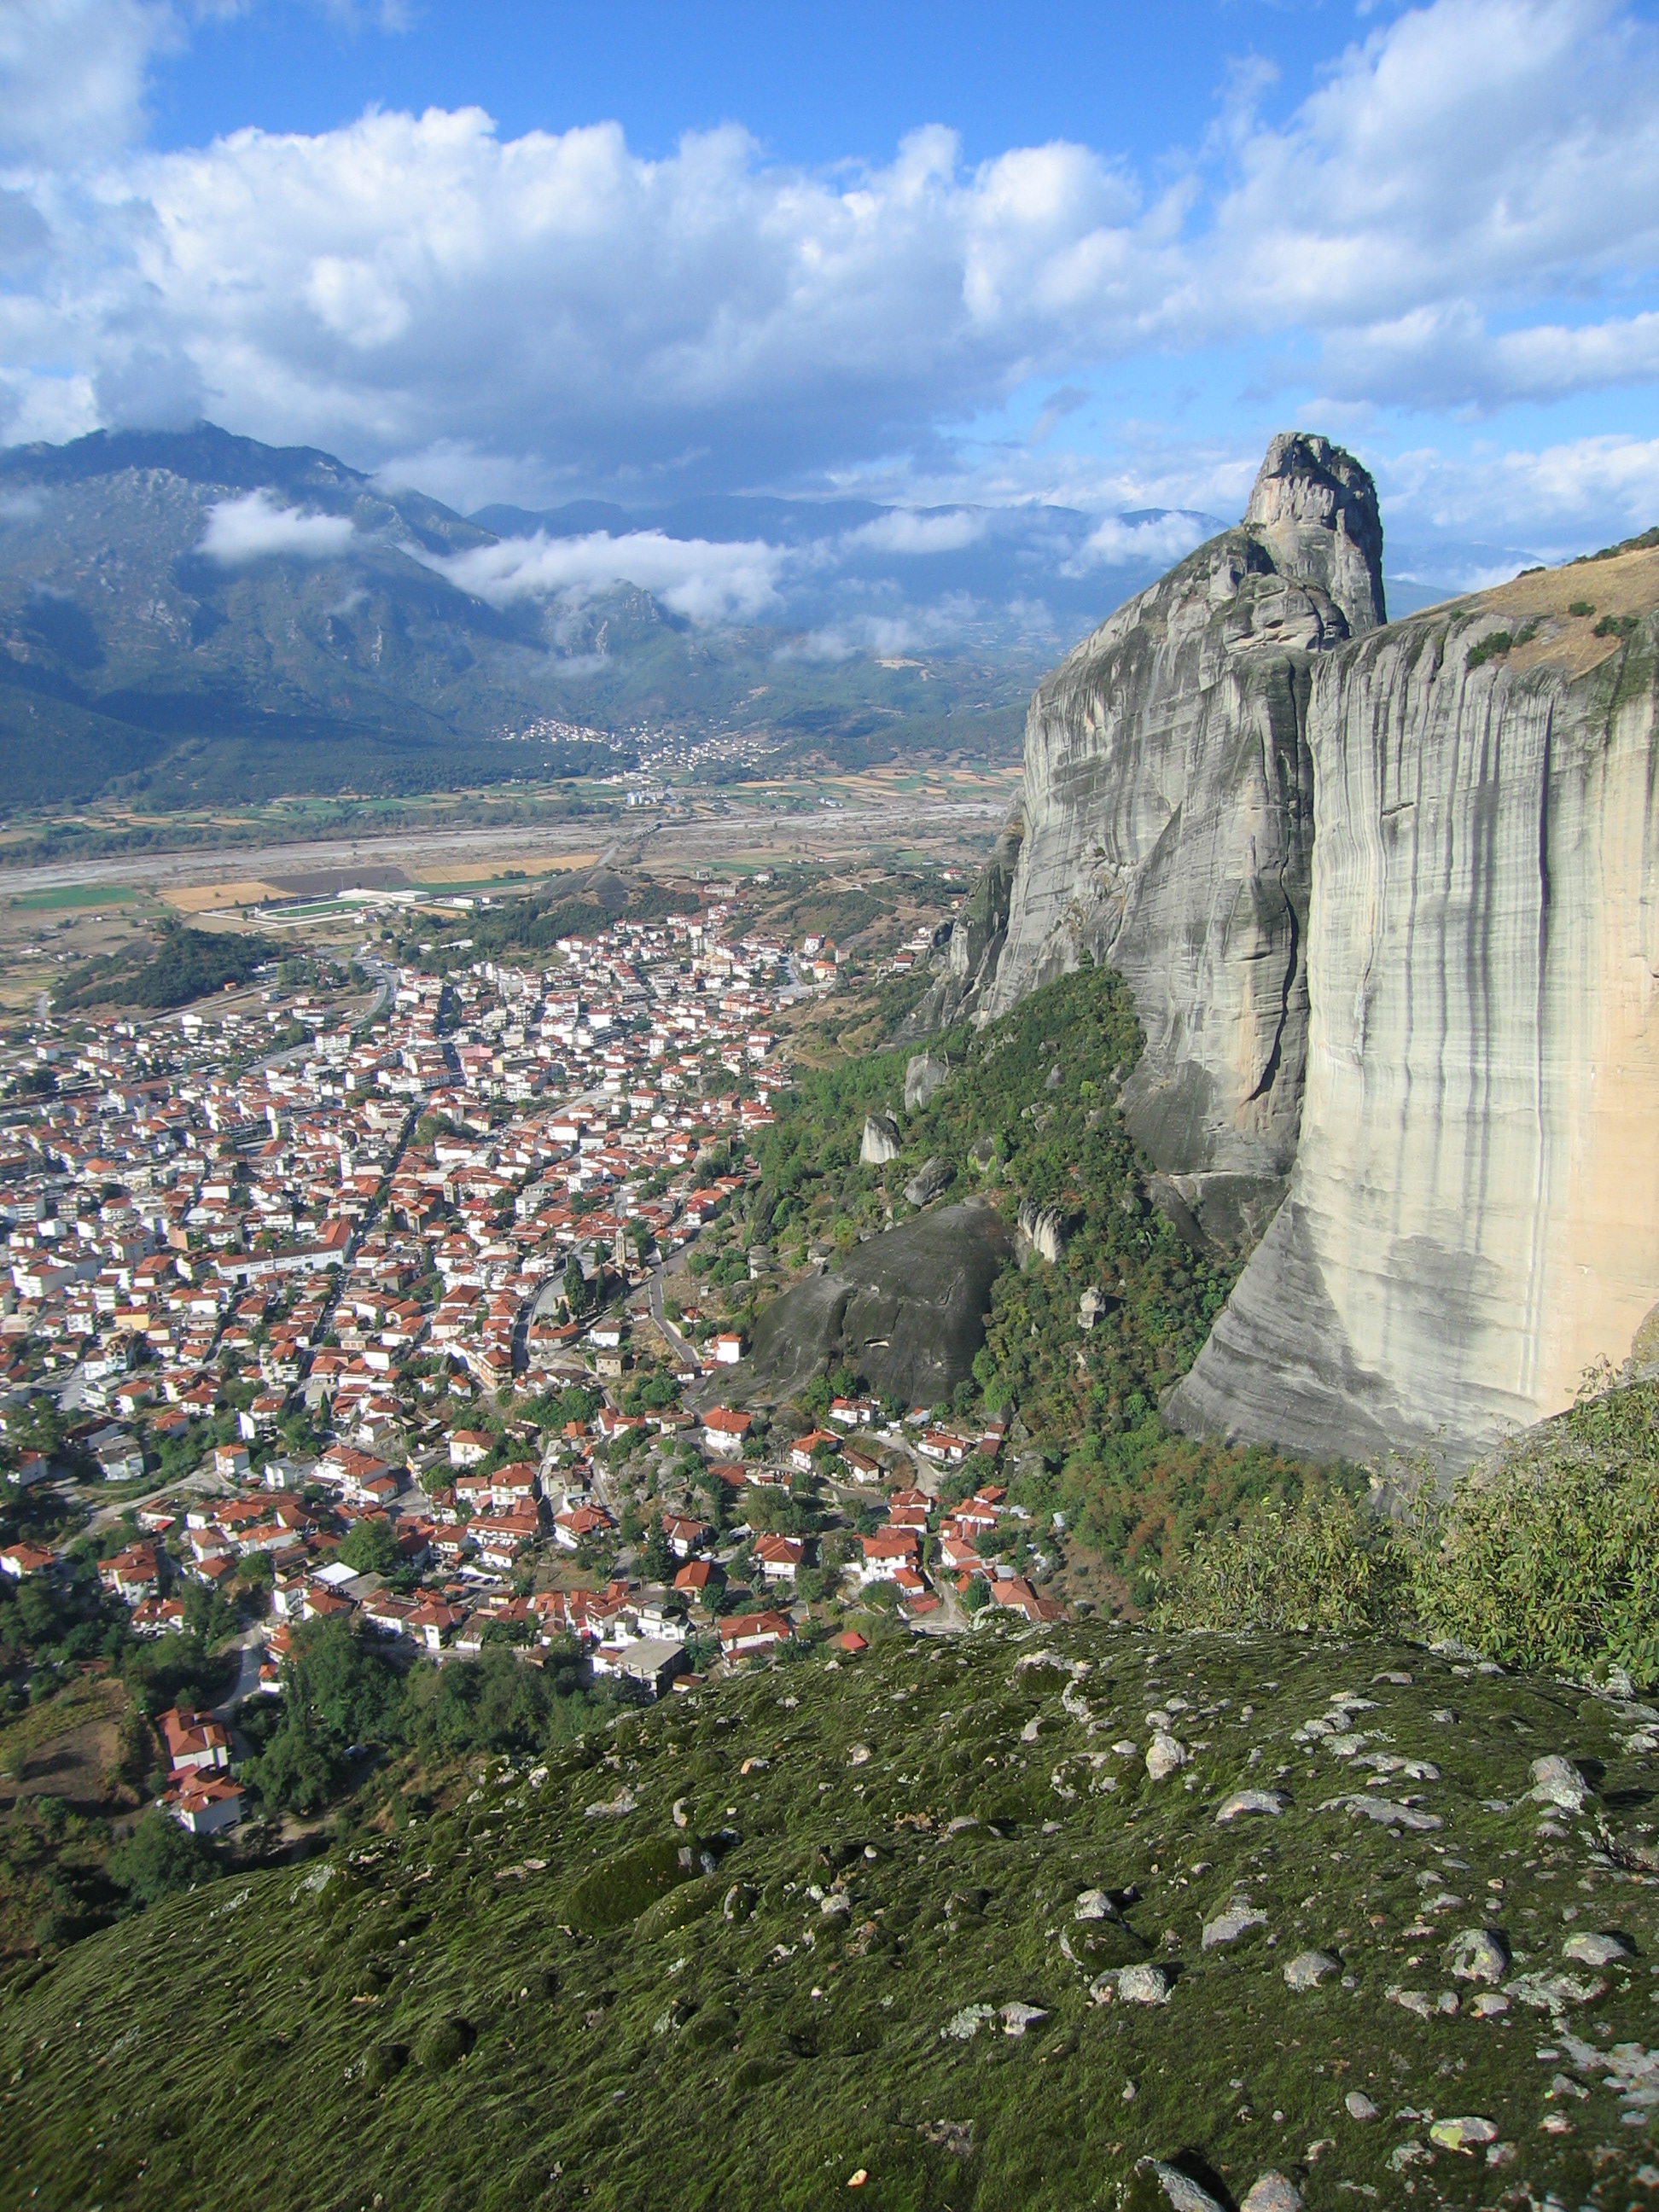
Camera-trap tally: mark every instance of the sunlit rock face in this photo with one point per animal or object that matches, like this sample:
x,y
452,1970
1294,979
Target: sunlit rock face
x,y
1474,1214
1167,816
1385,897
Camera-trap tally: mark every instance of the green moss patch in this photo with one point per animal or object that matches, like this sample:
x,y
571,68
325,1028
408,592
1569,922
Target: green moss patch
x,y
614,1893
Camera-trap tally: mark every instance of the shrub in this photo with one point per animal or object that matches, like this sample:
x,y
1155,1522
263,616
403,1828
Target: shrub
x,y
680,1907
159,1859
385,2062
1550,1559
1329,1564
1546,1559
371,1547
614,1893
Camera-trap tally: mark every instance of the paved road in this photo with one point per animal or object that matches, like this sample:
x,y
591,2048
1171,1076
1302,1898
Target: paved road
x,y
679,1346
251,1645
103,1516
386,981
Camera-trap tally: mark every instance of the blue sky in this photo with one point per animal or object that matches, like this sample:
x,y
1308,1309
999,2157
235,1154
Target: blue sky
x,y
962,258
812,83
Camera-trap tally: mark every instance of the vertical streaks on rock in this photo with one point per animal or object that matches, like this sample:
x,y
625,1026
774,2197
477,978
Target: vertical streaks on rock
x,y
1474,1214
1314,508
1166,823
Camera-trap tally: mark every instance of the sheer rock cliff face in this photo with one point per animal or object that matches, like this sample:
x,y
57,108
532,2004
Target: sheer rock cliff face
x,y
1434,1018
1474,1214
1166,829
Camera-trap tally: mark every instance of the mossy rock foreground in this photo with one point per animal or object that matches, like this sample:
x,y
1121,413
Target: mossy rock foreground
x,y
940,1894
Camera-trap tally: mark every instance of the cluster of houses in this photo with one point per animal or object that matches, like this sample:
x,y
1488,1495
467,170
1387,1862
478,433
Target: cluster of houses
x,y
200,1793
441,1207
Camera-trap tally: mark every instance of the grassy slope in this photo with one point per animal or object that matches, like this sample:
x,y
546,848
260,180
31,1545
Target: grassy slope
x,y
247,2043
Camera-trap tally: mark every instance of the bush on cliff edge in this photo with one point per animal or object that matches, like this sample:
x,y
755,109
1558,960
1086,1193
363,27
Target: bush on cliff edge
x,y
1546,1559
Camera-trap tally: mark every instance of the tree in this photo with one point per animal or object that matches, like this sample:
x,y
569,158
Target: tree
x,y
160,1858
579,1293
656,1558
172,1670
294,1769
207,1615
493,1703
371,1547
342,1681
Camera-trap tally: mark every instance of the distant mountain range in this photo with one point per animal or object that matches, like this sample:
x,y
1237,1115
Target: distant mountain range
x,y
191,616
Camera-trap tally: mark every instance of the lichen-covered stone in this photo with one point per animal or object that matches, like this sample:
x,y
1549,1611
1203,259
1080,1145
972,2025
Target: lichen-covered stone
x,y
1242,1801
1145,1985
1593,1950
1273,2192
1557,1781
1238,1919
1163,1755
1471,2131
1309,1968
1479,1954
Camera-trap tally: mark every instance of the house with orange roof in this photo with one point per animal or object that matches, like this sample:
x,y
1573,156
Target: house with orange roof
x,y
743,1633
725,1430
205,1807
887,1551
195,1742
778,1557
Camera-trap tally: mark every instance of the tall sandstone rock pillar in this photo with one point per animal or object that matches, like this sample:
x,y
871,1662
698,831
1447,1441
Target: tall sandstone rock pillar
x,y
1387,900
1166,824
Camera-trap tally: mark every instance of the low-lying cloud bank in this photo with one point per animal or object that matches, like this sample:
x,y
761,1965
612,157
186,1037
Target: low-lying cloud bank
x,y
256,528
705,582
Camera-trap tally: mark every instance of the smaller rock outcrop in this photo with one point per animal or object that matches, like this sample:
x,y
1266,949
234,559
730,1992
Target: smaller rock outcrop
x,y
907,1310
1042,1231
924,1074
976,939
1479,1954
881,1141
929,1179
1309,1968
1314,509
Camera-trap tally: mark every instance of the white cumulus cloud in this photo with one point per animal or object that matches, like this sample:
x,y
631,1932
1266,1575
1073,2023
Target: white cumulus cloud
x,y
906,531
1461,217
1122,538
256,528
706,582
403,280
73,74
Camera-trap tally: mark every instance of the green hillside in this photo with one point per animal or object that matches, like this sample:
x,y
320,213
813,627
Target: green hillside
x,y
768,1943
